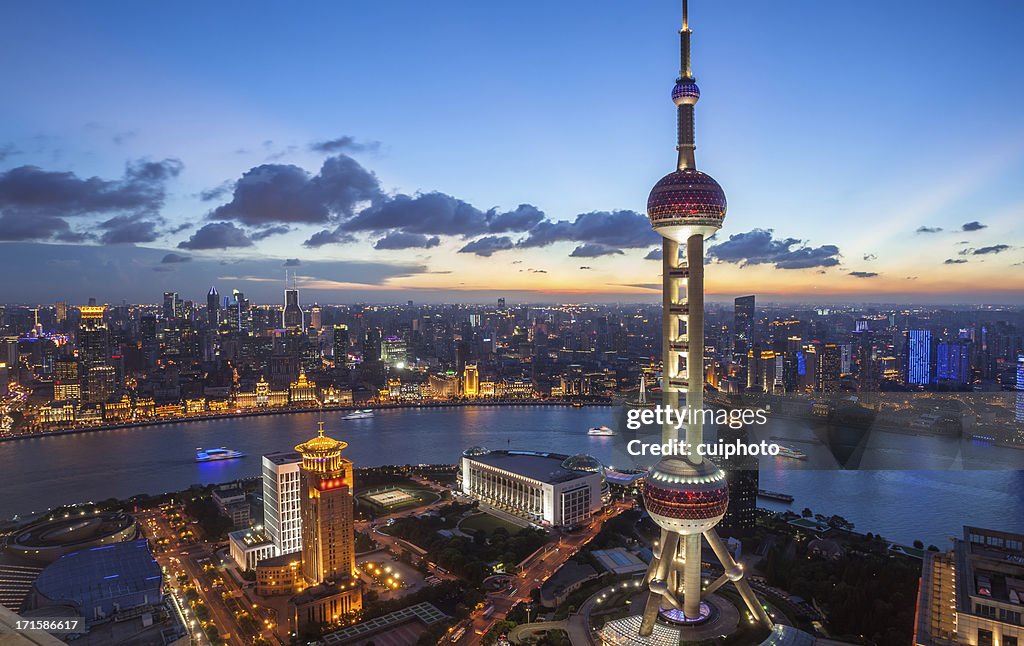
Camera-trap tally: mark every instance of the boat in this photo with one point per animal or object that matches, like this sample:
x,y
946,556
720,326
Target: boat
x,y
601,431
359,414
774,495
788,452
222,453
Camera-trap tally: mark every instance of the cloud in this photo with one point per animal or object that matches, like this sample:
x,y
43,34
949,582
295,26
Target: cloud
x,y
621,229
487,245
863,274
585,267
523,218
321,238
34,203
594,250
283,193
292,262
869,257
998,248
217,235
405,240
270,231
758,246
174,258
343,144
973,226
217,192
440,214
954,261
127,229
924,229
654,254
8,150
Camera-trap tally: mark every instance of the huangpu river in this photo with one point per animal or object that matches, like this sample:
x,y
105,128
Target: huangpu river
x,y
906,487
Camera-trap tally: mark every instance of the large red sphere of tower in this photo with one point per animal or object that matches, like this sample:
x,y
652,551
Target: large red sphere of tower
x,y
686,498
685,202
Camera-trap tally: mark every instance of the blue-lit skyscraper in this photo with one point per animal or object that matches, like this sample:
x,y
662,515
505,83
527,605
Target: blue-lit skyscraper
x,y
953,363
919,357
1020,389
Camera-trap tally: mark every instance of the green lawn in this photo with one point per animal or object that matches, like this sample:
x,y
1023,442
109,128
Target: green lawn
x,y
488,523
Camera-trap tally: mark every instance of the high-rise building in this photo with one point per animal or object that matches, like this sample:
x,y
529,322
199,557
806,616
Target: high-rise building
x,y
170,305
62,312
213,308
685,495
394,351
743,325
282,520
919,357
471,380
341,345
953,362
328,539
1019,416
95,370
292,316
743,475
315,317
829,368
67,381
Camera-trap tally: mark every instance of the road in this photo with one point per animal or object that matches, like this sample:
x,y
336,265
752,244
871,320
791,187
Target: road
x,y
536,574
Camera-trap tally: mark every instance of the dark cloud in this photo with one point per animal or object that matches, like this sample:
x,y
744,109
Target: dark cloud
x,y
174,258
923,229
343,144
406,240
863,274
487,245
594,250
440,214
998,248
654,254
320,238
523,218
973,226
758,246
8,150
280,193
869,257
585,267
128,229
217,235
34,202
269,231
954,261
620,229
217,192
292,262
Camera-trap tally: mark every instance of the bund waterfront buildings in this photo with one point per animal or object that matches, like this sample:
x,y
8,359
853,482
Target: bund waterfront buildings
x,y
973,593
535,488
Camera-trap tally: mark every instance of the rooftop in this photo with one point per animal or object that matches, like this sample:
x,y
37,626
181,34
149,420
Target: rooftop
x,y
425,612
284,457
536,465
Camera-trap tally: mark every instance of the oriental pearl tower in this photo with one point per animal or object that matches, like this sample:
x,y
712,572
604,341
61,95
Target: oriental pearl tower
x,y
686,495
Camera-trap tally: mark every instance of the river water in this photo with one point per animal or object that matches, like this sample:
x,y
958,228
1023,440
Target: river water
x,y
906,487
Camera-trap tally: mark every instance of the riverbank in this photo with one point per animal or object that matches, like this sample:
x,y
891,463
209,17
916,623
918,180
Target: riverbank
x,y
295,411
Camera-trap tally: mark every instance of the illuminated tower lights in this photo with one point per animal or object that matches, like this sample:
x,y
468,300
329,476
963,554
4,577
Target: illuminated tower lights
x,y
686,496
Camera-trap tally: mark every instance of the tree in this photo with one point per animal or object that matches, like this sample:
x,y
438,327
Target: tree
x,y
807,513
918,544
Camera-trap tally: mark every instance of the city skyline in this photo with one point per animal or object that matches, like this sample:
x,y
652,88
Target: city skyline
x,y
272,156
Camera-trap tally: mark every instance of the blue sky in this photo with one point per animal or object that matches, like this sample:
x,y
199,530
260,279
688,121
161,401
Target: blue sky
x,y
846,125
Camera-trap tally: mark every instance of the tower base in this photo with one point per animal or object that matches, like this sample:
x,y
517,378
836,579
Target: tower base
x,y
723,619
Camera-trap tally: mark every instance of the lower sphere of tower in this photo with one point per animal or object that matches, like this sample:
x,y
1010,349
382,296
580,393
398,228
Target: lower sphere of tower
x,y
685,93
686,498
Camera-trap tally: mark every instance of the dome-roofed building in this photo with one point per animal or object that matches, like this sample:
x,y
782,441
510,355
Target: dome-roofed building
x,y
474,451
583,462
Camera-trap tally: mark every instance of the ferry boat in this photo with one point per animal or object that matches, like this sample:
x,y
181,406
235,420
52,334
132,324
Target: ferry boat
x,y
774,495
788,452
601,431
359,414
222,453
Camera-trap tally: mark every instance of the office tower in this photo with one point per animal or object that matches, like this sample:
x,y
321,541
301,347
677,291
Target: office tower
x,y
341,345
315,317
953,362
239,314
282,519
328,541
743,476
97,373
62,312
67,381
213,308
471,381
1020,390
829,368
743,325
918,357
686,495
170,305
292,316
394,351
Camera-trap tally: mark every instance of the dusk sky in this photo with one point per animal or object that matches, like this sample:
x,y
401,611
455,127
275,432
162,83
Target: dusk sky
x,y
461,151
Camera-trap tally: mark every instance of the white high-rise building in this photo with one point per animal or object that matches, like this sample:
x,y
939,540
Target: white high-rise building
x,y
282,520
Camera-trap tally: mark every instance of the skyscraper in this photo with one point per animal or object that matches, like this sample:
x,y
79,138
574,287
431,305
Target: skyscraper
x,y
291,317
328,540
1020,389
829,368
686,495
97,373
341,345
919,357
953,362
170,305
282,519
743,325
213,308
